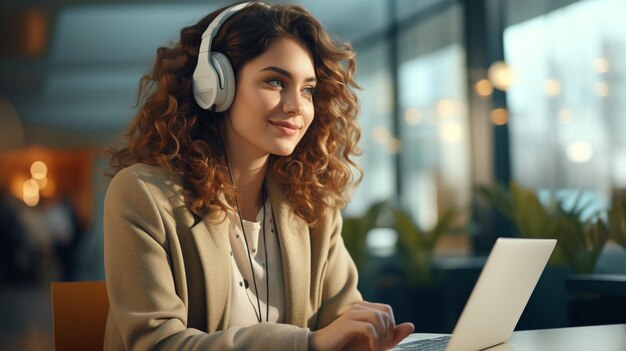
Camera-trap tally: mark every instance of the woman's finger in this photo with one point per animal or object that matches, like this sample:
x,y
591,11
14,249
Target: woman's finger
x,y
367,329
402,331
376,319
387,315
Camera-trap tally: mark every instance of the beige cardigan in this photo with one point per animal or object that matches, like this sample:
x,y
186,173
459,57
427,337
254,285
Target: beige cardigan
x,y
168,272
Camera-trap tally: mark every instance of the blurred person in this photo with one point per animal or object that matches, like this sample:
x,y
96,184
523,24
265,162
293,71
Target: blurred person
x,y
222,223
14,253
65,232
37,256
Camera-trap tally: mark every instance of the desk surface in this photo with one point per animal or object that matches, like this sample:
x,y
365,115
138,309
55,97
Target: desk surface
x,y
593,338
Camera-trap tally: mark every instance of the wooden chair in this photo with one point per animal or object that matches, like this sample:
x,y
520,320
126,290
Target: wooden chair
x,y
79,313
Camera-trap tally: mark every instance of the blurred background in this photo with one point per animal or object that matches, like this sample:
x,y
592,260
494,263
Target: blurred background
x,y
480,119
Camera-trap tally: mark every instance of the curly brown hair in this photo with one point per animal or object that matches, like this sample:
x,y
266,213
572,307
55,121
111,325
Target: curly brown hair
x,y
172,131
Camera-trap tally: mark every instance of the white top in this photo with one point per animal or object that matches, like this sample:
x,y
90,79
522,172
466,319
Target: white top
x,y
244,310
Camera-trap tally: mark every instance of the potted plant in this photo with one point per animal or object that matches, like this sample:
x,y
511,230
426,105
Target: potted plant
x,y
617,222
407,280
580,243
355,230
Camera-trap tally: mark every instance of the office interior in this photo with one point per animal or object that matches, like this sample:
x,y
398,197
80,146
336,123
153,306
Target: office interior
x,y
480,119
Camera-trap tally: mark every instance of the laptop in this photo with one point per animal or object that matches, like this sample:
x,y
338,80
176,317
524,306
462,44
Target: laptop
x,y
498,299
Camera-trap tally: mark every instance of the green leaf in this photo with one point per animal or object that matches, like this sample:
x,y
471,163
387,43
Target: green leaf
x,y
529,216
579,242
617,222
499,198
355,230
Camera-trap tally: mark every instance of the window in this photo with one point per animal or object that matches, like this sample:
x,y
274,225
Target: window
x,y
433,103
374,76
566,106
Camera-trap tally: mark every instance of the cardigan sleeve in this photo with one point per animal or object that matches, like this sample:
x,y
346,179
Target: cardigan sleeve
x,y
146,312
339,286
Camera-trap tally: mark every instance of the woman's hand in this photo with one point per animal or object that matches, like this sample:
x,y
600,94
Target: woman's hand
x,y
365,326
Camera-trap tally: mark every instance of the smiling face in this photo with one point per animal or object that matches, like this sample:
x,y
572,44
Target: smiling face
x,y
273,105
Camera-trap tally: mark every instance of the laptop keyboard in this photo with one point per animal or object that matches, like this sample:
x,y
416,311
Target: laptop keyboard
x,y
435,344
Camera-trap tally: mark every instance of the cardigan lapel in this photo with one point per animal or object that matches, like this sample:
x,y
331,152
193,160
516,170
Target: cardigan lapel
x,y
295,249
211,239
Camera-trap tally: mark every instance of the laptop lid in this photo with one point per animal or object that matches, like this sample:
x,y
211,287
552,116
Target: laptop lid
x,y
503,288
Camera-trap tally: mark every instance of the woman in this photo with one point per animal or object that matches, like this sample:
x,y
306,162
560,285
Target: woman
x,y
222,223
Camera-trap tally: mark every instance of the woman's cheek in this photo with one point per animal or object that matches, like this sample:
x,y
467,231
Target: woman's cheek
x,y
268,99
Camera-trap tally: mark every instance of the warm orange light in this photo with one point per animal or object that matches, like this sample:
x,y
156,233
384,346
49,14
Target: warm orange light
x,y
50,189
35,32
17,186
42,183
31,200
499,116
500,75
484,88
30,188
38,170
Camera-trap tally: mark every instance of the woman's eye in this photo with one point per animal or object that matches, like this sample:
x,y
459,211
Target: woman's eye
x,y
276,82
309,90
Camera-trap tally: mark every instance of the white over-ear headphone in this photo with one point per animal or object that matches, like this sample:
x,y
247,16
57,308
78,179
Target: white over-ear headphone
x,y
213,78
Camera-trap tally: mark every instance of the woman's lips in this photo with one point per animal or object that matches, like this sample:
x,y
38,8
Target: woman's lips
x,y
287,128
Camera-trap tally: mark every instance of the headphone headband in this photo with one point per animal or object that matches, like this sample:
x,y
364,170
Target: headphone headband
x,y
213,79
216,24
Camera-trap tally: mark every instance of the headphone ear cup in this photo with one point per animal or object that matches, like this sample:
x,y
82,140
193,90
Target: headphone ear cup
x,y
226,83
205,82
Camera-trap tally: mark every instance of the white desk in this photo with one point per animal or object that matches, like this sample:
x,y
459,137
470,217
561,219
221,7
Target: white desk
x,y
593,338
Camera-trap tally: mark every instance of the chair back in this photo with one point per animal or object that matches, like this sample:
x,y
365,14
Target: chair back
x,y
79,314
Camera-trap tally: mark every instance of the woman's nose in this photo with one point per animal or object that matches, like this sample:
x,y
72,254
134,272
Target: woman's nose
x,y
293,103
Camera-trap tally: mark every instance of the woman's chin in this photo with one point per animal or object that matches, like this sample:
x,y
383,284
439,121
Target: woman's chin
x,y
282,147
283,151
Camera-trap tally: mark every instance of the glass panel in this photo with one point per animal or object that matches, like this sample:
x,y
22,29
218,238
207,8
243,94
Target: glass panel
x,y
433,104
374,77
567,121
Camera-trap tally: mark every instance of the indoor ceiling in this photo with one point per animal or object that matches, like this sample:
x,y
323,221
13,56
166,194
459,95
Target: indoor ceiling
x,y
76,73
